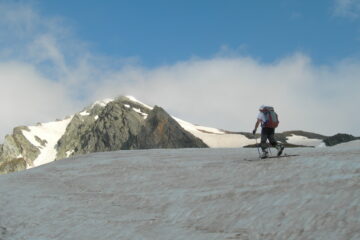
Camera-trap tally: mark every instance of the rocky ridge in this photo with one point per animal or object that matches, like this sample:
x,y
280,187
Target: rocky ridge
x,y
110,125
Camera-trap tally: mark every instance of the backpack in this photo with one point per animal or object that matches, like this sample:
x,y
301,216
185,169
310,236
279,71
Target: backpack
x,y
271,118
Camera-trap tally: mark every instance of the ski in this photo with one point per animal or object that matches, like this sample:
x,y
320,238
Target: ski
x,y
270,157
281,156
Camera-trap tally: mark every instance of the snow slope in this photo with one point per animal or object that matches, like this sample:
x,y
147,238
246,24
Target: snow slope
x,y
197,194
304,141
215,138
45,137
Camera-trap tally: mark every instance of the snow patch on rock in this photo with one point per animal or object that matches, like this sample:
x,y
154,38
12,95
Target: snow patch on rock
x,y
103,102
133,99
50,133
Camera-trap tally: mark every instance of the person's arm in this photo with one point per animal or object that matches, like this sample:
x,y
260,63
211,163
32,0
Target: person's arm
x,y
256,125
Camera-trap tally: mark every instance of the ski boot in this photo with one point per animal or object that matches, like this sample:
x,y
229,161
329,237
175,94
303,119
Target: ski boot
x,y
265,154
280,149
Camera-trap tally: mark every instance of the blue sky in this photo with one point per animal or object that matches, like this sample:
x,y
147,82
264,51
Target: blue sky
x,y
212,63
164,32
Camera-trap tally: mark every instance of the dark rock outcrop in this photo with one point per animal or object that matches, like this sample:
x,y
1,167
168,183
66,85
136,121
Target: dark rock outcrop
x,y
162,131
339,138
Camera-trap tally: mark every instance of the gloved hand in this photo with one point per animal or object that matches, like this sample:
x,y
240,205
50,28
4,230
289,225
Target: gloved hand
x,y
254,131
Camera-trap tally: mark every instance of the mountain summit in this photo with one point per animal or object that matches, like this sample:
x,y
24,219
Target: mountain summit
x,y
107,125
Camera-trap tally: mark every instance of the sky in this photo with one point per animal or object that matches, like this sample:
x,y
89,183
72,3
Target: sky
x,y
210,62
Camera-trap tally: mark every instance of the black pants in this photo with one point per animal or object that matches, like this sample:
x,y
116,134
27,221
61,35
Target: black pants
x,y
267,133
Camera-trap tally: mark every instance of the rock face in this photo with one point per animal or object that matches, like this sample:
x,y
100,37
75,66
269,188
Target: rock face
x,y
162,131
14,165
121,125
339,138
16,153
117,125
101,129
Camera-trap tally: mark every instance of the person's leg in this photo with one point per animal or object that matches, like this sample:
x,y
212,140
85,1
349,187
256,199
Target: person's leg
x,y
279,146
264,145
264,137
271,137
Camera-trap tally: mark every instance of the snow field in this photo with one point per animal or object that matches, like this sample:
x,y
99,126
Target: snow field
x,y
187,194
50,133
304,141
215,138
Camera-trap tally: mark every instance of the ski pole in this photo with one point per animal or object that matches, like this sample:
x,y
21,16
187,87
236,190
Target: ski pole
x,y
269,147
257,146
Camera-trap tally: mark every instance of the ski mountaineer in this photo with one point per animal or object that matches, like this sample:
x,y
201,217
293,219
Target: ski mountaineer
x,y
269,121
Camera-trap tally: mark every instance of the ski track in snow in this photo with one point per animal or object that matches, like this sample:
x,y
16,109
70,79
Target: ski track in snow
x,y
198,194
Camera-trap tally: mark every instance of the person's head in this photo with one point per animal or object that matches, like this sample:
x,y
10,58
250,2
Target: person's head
x,y
261,108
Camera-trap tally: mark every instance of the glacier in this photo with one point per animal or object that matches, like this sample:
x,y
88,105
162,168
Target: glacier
x,y
198,194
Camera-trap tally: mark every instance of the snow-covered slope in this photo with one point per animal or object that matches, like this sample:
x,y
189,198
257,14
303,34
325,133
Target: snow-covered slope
x,y
45,136
187,194
304,141
216,138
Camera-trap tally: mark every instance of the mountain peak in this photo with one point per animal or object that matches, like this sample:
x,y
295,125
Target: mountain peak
x,y
133,99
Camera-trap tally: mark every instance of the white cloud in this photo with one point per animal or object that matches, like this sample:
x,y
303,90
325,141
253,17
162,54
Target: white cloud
x,y
347,8
36,81
226,92
26,97
50,74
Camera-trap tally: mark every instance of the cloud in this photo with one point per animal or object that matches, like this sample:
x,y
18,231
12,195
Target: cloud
x,y
226,92
34,68
26,97
347,8
49,73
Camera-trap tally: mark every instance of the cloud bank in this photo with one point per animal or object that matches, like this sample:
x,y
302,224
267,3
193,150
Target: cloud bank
x,y
47,73
226,92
